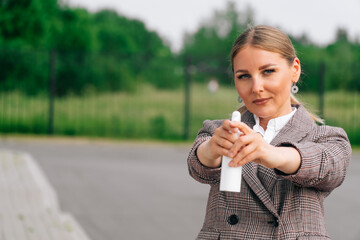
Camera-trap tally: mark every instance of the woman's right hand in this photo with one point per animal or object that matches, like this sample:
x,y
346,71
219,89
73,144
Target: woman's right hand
x,y
210,151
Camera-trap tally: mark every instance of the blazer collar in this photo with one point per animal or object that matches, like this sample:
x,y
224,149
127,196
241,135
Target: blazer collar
x,y
298,127
294,131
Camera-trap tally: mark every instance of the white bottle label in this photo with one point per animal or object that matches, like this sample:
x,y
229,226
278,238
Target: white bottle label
x,y
230,176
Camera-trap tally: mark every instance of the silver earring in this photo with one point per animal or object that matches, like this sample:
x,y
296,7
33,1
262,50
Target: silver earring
x,y
294,88
239,99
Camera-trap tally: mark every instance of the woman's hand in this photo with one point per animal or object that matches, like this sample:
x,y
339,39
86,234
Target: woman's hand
x,y
223,139
252,147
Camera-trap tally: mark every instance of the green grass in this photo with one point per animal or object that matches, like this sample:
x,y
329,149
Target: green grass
x,y
342,109
150,113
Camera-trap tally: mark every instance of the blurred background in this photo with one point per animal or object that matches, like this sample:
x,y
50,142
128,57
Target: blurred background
x,y
133,70
142,70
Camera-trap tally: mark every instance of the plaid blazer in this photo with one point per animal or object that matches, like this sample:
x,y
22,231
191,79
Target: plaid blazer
x,y
272,205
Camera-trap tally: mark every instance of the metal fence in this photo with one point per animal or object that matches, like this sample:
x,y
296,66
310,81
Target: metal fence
x,y
146,113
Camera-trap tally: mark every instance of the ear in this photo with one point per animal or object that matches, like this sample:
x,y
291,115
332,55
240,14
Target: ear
x,y
296,67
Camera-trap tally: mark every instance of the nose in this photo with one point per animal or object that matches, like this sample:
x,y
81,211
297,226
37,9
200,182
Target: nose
x,y
257,85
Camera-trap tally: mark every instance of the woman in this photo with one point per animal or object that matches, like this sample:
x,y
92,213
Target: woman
x,y
290,163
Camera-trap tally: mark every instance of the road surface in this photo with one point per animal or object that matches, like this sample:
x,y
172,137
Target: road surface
x,y
121,190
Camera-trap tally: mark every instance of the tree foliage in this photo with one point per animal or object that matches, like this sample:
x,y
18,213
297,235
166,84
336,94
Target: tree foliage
x,y
105,51
209,48
102,51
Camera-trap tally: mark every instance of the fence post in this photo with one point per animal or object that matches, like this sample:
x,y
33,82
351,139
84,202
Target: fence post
x,y
322,90
52,91
187,98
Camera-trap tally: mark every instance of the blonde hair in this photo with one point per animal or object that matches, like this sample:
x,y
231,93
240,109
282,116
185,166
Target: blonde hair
x,y
272,40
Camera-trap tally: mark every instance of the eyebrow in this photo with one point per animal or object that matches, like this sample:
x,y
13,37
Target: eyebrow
x,y
260,68
267,65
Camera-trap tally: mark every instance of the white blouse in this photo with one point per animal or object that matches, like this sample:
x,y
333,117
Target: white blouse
x,y
274,126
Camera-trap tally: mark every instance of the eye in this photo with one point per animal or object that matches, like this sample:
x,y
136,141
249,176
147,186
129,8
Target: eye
x,y
269,71
243,76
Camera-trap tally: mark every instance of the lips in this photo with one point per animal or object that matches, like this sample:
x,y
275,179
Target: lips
x,y
261,101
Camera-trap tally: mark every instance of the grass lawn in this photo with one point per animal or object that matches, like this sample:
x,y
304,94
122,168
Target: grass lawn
x,y
151,113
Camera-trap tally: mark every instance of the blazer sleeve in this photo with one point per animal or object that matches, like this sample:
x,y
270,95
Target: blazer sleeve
x,y
197,170
324,159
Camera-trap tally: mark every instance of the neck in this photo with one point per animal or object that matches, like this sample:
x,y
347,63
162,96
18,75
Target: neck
x,y
264,122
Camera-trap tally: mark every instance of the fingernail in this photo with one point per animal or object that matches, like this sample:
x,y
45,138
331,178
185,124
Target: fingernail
x,y
231,164
230,154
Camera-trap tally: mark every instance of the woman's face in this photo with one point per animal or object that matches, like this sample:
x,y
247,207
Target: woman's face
x,y
263,80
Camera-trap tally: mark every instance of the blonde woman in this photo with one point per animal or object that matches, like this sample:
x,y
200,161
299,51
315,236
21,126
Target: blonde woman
x,y
290,163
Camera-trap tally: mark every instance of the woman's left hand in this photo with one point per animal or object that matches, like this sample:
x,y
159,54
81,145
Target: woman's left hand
x,y
251,146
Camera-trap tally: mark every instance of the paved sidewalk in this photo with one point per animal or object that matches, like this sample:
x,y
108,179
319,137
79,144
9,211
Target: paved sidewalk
x,y
28,204
136,191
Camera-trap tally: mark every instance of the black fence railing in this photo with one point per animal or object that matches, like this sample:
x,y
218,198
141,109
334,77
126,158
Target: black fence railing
x,y
86,95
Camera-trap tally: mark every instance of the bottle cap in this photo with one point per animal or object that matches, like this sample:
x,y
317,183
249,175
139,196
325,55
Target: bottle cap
x,y
236,116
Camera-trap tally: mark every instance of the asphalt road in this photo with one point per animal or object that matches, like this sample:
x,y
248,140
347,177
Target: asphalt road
x,y
120,190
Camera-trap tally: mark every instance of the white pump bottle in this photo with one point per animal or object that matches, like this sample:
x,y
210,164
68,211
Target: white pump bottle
x,y
230,179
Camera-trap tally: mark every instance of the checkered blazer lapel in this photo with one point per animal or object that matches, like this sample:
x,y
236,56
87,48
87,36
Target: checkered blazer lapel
x,y
295,130
298,127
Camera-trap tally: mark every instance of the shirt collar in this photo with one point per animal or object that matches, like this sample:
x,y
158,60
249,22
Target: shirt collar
x,y
275,124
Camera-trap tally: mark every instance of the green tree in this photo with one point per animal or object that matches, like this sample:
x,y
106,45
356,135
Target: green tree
x,y
137,53
25,23
342,63
311,57
102,51
209,47
74,41
24,26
